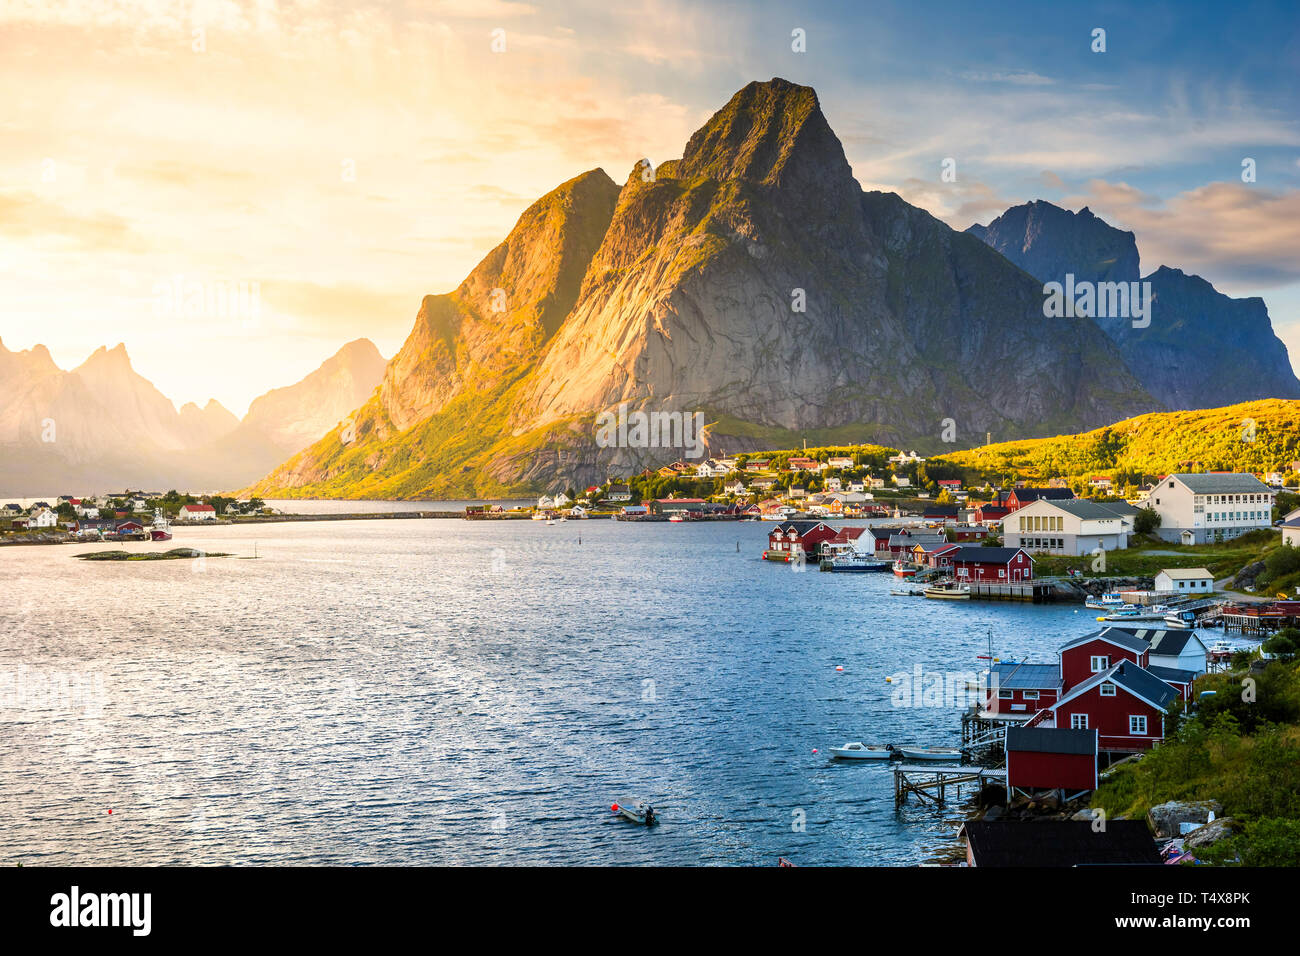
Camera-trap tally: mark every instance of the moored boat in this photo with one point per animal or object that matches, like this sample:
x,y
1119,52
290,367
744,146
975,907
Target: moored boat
x,y
849,561
857,750
948,592
160,530
904,570
1109,601
929,753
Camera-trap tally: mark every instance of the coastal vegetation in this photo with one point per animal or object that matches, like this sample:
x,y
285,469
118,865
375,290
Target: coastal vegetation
x,y
1258,436
175,554
1238,745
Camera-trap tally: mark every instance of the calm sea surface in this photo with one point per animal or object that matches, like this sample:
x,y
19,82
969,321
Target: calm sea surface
x,y
447,691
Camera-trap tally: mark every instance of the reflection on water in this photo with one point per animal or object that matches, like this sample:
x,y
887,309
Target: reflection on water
x,y
447,691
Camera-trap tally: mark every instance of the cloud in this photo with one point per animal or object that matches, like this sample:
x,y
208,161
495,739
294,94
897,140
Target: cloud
x,y
344,308
1014,77
26,216
1236,234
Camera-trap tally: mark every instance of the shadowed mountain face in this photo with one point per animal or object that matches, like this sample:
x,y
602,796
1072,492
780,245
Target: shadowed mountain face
x,y
751,280
102,426
1202,349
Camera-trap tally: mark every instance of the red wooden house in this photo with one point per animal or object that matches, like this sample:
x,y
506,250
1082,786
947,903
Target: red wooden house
x,y
1093,653
1125,704
1051,758
997,565
1019,497
797,537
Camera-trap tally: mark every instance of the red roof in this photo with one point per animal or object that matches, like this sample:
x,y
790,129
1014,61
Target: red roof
x,y
199,508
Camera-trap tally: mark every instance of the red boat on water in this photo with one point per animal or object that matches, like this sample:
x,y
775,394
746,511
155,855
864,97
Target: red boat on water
x,y
904,570
160,530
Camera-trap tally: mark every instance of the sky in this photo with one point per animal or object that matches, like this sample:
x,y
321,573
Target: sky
x,y
318,166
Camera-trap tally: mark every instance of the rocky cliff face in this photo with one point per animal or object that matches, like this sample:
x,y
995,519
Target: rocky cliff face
x,y
1202,349
292,417
751,280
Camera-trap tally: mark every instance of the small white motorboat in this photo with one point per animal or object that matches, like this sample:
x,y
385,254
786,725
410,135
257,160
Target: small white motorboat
x,y
636,813
857,750
929,753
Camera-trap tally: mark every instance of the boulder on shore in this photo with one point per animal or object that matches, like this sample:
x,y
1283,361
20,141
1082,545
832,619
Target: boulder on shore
x,y
1166,818
1211,833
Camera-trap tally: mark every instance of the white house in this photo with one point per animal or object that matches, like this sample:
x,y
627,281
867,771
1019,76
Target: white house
x,y
734,487
839,462
198,513
900,481
1291,533
834,484
1072,526
906,457
857,485
618,493
876,482
711,468
1180,649
1196,509
43,518
1185,580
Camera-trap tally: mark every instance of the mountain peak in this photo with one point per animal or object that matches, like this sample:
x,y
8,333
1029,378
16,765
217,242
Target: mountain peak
x,y
771,133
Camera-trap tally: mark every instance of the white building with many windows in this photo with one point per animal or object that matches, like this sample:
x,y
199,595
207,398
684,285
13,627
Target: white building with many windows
x,y
1197,509
1068,526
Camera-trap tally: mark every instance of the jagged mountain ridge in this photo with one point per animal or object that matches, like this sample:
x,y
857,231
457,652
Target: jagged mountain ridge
x,y
102,425
685,303
1202,349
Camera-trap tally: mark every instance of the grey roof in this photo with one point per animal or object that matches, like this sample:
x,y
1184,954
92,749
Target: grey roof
x,y
988,555
1116,635
798,527
1019,676
1222,484
1143,683
1060,843
1038,494
1172,643
1087,510
905,538
1052,740
1120,507
1175,674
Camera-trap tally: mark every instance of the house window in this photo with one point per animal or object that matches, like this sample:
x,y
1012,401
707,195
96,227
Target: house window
x,y
1006,694
1137,725
1078,721
1099,664
1107,690
1031,695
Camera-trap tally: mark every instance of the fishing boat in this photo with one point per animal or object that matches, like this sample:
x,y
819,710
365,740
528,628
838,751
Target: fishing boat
x,y
948,592
929,753
904,570
906,592
1181,619
1107,602
850,561
161,529
676,518
857,750
635,813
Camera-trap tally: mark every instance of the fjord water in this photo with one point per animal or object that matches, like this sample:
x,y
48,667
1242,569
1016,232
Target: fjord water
x,y
443,691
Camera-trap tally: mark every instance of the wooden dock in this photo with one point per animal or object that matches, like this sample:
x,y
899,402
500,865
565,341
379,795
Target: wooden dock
x,y
931,783
1038,592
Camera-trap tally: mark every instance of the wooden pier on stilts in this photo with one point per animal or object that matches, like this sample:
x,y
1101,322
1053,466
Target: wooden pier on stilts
x,y
931,784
